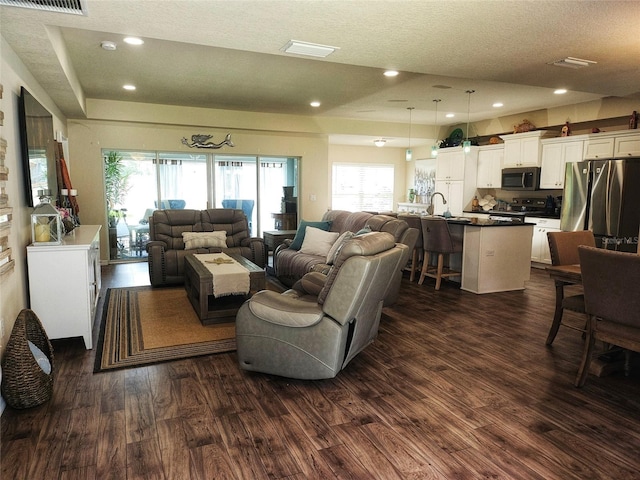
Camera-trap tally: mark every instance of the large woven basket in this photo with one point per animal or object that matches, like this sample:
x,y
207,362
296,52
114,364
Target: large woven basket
x,y
24,383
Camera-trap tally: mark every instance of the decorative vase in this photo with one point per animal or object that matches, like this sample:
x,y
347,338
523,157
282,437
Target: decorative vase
x,y
412,195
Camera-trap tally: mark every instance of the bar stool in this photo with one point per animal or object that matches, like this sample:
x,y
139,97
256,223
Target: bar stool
x,y
437,238
414,222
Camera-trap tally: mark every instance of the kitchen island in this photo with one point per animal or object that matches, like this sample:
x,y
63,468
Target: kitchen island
x,y
496,254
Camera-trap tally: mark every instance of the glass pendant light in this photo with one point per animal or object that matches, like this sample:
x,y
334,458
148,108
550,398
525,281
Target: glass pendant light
x,y
434,148
409,152
466,145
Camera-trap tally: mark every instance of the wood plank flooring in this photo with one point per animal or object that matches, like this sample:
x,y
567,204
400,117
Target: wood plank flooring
x,y
457,385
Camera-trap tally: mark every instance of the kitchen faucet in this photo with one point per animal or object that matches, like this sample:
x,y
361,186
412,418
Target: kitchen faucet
x,y
430,207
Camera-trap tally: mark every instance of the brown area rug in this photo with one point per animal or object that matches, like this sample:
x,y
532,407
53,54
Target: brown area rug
x,y
144,325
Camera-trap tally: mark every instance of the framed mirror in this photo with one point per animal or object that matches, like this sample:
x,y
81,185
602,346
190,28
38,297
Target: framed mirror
x,y
38,148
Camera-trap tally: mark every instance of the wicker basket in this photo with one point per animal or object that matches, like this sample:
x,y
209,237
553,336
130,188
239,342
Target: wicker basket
x,y
24,383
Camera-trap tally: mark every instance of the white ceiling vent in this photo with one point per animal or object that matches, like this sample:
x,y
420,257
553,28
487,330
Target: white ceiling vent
x,y
76,7
309,49
572,62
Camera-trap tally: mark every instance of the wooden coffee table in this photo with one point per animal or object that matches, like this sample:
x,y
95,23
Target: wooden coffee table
x,y
198,282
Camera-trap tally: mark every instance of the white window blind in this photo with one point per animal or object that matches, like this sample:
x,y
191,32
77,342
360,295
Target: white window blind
x,y
358,187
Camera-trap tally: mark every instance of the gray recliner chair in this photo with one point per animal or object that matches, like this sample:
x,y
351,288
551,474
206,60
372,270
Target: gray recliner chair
x,y
314,332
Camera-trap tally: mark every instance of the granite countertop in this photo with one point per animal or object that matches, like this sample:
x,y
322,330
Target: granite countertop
x,y
481,222
508,213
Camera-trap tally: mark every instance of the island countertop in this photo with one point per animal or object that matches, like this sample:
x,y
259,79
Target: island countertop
x,y
487,222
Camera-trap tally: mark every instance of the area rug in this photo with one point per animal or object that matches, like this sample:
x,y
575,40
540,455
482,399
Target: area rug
x,y
144,325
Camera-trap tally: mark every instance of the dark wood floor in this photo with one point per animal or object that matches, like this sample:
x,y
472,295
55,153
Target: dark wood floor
x,y
456,386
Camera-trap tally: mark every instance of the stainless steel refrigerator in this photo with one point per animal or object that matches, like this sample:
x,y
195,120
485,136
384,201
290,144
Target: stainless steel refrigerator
x,y
604,196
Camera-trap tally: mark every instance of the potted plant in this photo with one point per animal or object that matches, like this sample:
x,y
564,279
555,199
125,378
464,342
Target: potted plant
x,y
116,182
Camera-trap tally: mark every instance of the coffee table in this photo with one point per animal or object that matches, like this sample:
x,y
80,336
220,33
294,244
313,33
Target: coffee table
x,y
198,282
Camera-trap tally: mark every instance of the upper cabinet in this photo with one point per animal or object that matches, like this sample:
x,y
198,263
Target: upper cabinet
x,y
490,166
613,145
523,149
556,153
450,164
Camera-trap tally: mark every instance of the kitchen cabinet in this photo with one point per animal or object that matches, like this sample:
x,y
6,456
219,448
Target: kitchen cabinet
x,y
456,176
523,149
540,244
65,283
612,145
450,165
490,166
556,153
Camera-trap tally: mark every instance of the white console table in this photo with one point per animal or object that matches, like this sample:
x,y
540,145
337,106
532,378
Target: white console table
x,y
65,282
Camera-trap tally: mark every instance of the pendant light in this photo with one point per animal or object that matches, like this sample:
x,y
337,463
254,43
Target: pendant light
x,y
409,153
434,148
466,145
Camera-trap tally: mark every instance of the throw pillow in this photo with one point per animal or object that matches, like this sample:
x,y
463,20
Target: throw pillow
x,y
204,239
318,242
299,238
335,249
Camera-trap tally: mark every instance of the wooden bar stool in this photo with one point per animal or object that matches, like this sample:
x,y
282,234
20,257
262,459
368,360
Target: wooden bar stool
x,y
414,222
437,238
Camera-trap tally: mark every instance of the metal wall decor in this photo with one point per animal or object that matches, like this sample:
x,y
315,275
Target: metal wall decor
x,y
200,141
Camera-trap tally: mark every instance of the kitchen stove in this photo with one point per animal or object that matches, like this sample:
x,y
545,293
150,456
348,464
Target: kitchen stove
x,y
548,207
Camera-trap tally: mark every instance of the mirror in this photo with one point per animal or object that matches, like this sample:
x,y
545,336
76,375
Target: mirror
x,y
38,148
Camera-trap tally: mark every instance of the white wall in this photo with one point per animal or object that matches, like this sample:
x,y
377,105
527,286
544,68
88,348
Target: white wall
x,y
13,286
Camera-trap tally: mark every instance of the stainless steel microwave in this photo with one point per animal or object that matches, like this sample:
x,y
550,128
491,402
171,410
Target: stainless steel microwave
x,y
521,178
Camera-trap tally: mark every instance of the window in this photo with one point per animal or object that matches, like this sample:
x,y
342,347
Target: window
x,y
358,187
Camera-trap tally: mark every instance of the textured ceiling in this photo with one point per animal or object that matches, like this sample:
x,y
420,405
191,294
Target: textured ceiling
x,y
227,55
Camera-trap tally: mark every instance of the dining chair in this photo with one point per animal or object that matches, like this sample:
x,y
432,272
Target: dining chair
x,y
437,238
564,251
611,282
416,256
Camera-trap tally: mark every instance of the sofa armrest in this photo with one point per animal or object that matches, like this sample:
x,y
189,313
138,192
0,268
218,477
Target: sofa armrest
x,y
156,260
284,310
258,250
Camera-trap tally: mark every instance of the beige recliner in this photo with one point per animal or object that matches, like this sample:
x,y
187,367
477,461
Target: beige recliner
x,y
313,334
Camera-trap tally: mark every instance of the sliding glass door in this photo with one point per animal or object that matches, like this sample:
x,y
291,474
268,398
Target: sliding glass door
x,y
265,188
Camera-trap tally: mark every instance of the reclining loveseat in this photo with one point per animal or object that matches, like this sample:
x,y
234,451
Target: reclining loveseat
x,y
168,247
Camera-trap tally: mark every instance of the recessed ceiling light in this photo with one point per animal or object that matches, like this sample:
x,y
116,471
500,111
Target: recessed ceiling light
x,y
391,73
109,46
129,87
315,104
560,91
133,40
379,142
498,105
450,115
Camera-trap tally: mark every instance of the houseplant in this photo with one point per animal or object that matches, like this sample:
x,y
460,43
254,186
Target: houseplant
x,y
116,182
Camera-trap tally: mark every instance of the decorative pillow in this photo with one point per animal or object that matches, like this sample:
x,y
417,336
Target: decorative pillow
x,y
335,249
318,242
204,239
299,238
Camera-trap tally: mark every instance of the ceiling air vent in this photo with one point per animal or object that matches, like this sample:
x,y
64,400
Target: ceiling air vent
x,y
572,62
76,7
309,49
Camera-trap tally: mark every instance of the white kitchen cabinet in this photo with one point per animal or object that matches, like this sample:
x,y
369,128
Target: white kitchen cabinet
x,y
556,153
490,166
456,176
540,244
65,283
523,149
454,193
612,145
450,165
